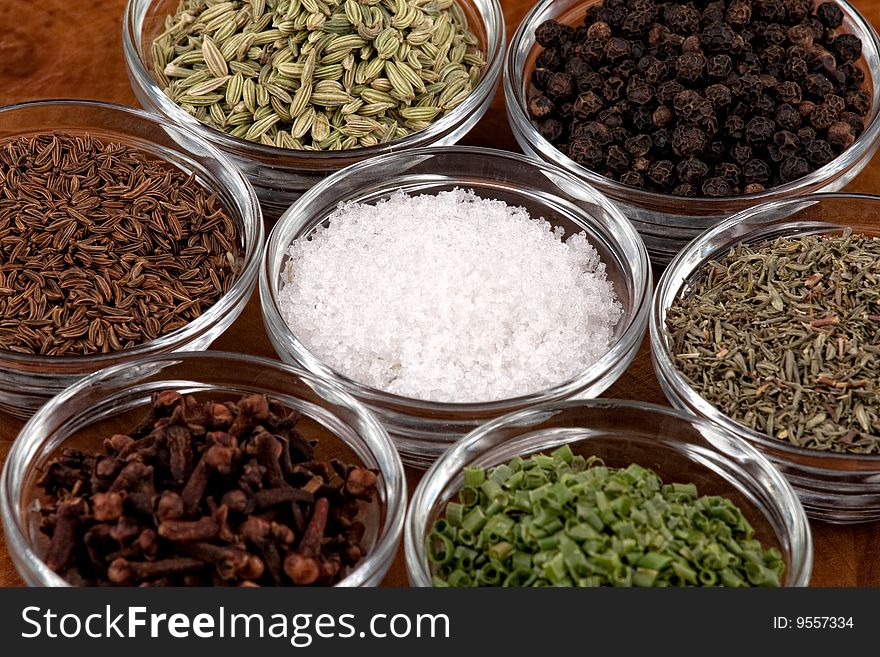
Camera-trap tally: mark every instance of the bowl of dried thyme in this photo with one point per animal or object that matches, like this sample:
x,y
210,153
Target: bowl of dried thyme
x,y
203,469
686,114
120,236
605,493
293,90
769,326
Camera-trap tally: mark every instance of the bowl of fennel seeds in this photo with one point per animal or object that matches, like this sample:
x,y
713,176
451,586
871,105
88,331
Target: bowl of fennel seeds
x,y
769,326
120,237
294,90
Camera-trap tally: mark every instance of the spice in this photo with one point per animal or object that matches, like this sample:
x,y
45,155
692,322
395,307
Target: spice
x,y
448,297
784,337
205,493
318,74
564,520
751,95
102,247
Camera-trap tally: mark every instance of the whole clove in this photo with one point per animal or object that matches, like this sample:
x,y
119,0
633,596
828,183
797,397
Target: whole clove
x,y
202,493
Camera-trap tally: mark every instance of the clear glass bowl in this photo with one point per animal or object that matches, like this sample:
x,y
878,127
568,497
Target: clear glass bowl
x,y
423,429
26,381
841,488
669,222
678,447
281,175
115,399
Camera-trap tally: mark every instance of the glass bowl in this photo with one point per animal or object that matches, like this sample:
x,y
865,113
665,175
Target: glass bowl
x,y
422,429
835,487
666,222
115,399
28,381
678,447
281,175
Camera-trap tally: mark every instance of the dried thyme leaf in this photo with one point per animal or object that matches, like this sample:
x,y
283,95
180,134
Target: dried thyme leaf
x,y
784,337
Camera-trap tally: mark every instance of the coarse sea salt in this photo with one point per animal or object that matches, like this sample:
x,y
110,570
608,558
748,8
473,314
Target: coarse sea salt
x,y
448,297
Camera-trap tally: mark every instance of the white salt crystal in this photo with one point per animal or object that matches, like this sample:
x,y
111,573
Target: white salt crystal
x,y
449,297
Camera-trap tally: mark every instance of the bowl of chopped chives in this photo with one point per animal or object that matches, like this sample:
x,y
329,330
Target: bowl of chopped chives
x,y
769,326
293,91
120,237
444,287
605,493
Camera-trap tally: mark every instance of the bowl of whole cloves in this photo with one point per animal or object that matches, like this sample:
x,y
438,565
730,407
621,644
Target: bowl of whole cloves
x,y
203,469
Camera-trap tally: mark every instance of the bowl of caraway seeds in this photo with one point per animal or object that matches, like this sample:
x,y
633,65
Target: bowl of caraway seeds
x,y
769,326
687,113
294,90
446,286
203,469
605,493
120,236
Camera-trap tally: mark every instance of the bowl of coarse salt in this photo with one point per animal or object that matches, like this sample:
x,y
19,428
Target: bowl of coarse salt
x,y
445,287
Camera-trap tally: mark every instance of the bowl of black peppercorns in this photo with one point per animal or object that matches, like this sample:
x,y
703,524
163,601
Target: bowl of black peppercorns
x,y
685,113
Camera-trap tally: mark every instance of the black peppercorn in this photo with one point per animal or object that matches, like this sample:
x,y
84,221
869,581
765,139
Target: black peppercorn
x,y
617,48
550,129
633,179
787,142
793,168
599,31
855,122
709,98
691,170
661,173
818,85
540,76
684,189
840,135
830,14
789,92
548,58
858,101
540,107
717,187
617,159
848,47
734,126
638,145
639,92
759,130
818,152
787,117
741,153
772,11
587,153
560,86
801,35
739,13
550,33
587,104
756,170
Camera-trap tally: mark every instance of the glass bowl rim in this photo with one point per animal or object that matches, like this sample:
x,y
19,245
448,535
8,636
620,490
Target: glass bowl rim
x,y
495,47
515,104
660,350
252,235
786,499
635,321
32,436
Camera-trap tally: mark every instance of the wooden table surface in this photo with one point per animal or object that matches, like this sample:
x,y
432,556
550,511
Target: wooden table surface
x,y
63,49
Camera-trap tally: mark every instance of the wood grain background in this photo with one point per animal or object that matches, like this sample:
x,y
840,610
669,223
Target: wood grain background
x,y
64,49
